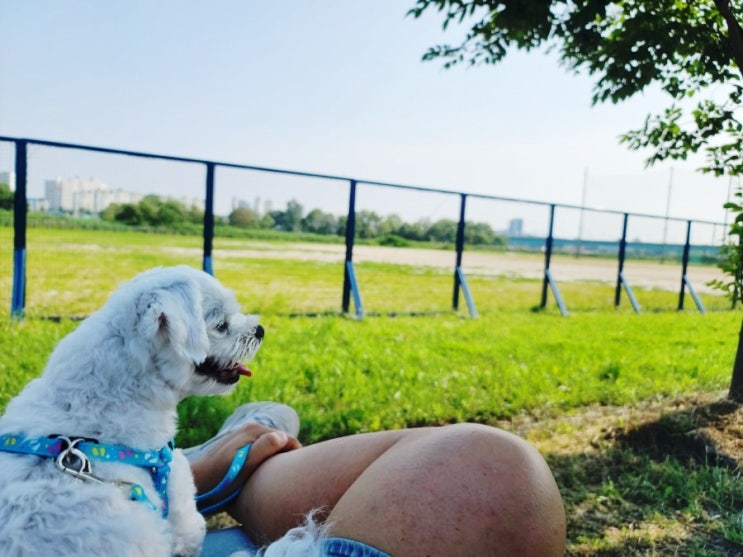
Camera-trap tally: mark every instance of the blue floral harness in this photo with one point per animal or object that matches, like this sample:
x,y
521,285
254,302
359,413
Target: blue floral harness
x,y
74,455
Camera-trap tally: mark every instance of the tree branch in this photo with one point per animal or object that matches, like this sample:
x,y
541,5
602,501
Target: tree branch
x,y
735,31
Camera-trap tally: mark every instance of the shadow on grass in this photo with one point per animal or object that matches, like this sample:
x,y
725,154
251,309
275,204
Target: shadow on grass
x,y
658,488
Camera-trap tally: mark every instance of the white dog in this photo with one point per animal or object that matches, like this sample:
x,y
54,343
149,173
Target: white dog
x,y
105,411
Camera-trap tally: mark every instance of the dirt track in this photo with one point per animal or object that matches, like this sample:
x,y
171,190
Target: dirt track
x,y
649,274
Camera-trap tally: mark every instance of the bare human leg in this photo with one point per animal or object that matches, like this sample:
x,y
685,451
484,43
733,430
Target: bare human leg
x,y
456,490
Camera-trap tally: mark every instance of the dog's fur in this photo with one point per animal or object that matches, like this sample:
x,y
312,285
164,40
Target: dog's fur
x,y
168,334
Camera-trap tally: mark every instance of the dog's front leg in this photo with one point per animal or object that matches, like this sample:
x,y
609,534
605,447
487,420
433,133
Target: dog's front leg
x,y
187,524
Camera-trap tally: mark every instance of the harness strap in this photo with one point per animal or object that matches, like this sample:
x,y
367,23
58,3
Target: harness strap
x,y
53,446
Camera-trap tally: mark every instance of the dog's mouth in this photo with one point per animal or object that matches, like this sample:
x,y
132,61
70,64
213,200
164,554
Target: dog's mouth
x,y
225,373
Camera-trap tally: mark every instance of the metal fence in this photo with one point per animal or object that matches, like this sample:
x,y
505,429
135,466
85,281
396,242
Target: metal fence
x,y
531,226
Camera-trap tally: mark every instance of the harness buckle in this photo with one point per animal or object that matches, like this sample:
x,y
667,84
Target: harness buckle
x,y
75,462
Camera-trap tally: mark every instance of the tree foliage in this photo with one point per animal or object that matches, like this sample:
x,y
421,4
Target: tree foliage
x,y
6,197
690,49
732,255
243,217
153,211
291,219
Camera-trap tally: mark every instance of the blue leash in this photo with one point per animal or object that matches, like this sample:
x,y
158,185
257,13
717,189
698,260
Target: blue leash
x,y
237,463
73,456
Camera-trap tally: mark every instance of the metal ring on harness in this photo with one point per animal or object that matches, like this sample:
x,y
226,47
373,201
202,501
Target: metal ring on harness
x,y
73,461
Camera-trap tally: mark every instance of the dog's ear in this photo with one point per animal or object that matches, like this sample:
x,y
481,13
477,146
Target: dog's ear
x,y
173,314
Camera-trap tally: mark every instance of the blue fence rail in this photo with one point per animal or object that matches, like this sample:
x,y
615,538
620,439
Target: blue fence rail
x,y
351,288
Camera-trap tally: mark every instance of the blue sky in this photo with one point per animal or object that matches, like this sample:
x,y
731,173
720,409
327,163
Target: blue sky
x,y
327,86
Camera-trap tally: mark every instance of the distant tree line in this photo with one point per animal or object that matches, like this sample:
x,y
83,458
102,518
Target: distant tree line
x,y
153,211
369,225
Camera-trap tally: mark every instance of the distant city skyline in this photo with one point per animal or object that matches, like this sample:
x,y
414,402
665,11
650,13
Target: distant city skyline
x,y
77,196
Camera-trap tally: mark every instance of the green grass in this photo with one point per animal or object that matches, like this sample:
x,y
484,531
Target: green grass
x,y
346,376
624,503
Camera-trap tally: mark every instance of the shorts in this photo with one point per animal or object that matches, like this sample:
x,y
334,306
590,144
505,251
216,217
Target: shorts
x,y
222,543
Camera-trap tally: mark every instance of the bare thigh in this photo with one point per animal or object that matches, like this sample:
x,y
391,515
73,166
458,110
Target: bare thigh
x,y
289,485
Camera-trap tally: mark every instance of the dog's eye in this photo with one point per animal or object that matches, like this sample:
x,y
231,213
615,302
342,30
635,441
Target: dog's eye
x,y
223,326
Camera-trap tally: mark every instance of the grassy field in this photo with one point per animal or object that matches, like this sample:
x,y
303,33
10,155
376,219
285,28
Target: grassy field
x,y
70,273
579,387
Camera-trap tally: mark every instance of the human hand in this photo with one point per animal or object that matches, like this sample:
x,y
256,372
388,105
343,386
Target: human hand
x,y
211,466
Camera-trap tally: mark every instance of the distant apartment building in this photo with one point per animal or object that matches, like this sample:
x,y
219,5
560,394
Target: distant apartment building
x,y
515,228
238,203
80,196
8,178
261,207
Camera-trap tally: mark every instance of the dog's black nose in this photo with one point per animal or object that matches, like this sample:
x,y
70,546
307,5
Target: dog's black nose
x,y
259,332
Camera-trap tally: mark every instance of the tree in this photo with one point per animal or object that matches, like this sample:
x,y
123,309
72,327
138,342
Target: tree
x,y
128,213
194,215
170,213
267,222
243,217
390,225
691,49
415,231
444,230
481,233
148,207
6,197
291,219
320,222
367,224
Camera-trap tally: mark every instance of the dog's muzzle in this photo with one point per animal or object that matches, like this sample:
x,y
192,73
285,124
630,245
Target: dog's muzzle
x,y
228,372
225,373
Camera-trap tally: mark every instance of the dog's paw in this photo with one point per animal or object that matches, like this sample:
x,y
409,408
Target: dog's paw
x,y
187,542
184,550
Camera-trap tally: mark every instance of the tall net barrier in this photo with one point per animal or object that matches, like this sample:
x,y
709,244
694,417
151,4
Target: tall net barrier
x,y
279,239
291,242
77,252
668,192
414,230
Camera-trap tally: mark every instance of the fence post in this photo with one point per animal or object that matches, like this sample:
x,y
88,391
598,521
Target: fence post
x,y
621,279
621,256
685,282
18,298
206,264
460,249
350,235
547,258
684,265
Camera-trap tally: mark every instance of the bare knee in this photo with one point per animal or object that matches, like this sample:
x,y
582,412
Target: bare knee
x,y
462,489
519,496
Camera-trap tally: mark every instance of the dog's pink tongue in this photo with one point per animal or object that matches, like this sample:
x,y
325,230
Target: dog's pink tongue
x,y
242,370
